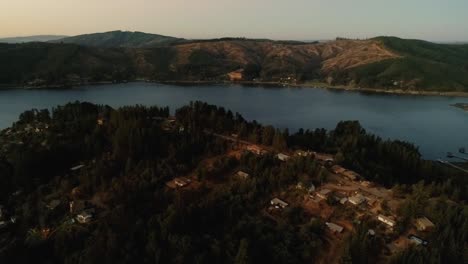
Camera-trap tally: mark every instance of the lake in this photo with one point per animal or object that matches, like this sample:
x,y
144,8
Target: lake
x,y
429,122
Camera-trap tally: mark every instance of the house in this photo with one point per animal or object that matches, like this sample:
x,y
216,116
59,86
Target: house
x,y
242,175
53,204
357,199
337,169
283,157
79,167
182,181
351,175
386,220
77,206
84,217
256,149
101,121
424,224
277,203
417,240
237,75
3,224
334,227
302,153
323,194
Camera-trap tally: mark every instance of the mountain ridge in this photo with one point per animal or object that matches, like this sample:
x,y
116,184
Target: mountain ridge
x,y
382,63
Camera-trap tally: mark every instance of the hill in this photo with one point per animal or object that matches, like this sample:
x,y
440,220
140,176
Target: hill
x,y
384,62
119,39
38,38
422,65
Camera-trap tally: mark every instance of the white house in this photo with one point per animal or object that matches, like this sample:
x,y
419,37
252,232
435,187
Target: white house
x,y
84,217
276,202
386,220
283,157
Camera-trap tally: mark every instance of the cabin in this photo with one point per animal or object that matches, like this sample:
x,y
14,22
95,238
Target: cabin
x,y
242,175
323,194
84,217
278,203
386,220
334,227
424,224
283,157
357,199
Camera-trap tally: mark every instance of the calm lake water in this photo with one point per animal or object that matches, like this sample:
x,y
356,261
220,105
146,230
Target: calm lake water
x,y
429,122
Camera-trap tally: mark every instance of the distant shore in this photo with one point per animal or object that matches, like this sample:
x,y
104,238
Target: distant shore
x,y
257,83
331,87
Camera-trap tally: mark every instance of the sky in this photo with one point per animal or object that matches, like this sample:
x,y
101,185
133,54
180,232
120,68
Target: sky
x,y
435,20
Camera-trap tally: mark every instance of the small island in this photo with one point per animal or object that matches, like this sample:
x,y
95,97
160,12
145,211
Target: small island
x,y
463,106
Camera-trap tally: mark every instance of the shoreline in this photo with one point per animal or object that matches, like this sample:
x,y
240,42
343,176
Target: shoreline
x,y
330,87
314,85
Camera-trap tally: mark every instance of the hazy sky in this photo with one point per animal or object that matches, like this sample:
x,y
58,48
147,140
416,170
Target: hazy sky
x,y
437,20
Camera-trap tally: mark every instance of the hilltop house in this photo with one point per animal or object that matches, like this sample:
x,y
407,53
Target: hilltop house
x,y
334,227
424,224
386,220
277,203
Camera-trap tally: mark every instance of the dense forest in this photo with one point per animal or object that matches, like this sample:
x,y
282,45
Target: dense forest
x,y
118,162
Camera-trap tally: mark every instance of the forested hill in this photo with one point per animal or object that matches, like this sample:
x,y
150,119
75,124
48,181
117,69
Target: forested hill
x,y
85,183
381,63
119,38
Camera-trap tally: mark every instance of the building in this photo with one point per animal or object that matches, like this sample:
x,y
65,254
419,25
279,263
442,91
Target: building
x,y
283,157
84,217
256,149
337,169
302,153
237,75
1,212
79,167
357,199
386,220
53,204
351,175
334,227
424,224
417,240
182,182
278,203
242,175
323,194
